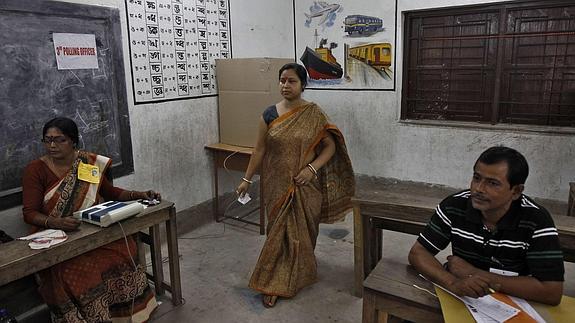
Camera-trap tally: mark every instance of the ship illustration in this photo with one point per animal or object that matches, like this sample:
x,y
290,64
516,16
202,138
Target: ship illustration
x,y
320,63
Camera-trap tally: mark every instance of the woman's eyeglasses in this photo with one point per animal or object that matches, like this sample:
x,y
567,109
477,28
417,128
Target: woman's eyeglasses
x,y
56,140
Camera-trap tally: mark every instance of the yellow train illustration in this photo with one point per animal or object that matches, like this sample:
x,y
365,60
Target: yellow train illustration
x,y
377,55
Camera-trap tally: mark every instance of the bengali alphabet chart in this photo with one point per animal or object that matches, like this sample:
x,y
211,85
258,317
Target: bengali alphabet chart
x,y
173,46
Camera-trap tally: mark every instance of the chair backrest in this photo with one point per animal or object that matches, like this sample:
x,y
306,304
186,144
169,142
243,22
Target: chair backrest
x,y
571,204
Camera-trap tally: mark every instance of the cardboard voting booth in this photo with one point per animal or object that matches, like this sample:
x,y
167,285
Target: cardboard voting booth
x,y
246,87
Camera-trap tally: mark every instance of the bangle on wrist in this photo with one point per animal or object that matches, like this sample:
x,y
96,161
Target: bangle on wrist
x,y
247,180
313,170
131,195
46,222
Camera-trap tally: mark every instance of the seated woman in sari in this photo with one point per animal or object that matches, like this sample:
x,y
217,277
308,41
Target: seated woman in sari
x,y
100,285
307,180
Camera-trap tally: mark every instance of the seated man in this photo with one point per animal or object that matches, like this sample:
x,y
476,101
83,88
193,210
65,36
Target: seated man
x,y
500,238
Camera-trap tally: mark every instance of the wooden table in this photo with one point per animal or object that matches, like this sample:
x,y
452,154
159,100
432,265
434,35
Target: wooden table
x,y
407,207
389,290
233,158
395,289
18,260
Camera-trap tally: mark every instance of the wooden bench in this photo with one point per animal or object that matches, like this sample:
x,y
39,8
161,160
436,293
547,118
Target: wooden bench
x,y
19,261
407,207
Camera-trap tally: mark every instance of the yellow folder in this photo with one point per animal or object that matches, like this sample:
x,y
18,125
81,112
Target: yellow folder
x,y
454,311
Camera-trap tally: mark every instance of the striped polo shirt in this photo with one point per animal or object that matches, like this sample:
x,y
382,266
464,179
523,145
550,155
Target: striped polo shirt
x,y
525,240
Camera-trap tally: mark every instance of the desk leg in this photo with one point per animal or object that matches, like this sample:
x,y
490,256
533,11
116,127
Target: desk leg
x,y
262,210
172,237
156,250
216,208
372,243
357,252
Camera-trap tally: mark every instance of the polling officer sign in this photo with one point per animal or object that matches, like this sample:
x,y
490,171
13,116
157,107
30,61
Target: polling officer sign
x,y
75,51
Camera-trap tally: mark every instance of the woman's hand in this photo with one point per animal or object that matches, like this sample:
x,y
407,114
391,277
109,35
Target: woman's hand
x,y
242,188
66,223
304,176
151,195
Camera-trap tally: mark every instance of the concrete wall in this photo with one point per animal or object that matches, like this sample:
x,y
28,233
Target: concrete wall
x,y
381,145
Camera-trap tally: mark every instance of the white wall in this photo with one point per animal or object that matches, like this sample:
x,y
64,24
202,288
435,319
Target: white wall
x,y
379,144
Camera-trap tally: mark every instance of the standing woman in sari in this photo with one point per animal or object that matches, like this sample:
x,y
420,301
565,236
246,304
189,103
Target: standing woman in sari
x,y
307,180
103,284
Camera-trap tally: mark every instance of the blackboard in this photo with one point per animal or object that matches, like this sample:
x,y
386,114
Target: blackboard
x,y
33,90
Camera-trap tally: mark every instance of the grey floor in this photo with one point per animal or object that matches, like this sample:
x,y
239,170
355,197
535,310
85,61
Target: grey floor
x,y
217,259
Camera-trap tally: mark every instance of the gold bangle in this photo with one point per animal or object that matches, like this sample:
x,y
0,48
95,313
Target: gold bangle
x,y
313,170
131,195
46,222
247,180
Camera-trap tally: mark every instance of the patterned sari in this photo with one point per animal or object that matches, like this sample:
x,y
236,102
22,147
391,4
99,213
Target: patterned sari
x,y
101,285
287,261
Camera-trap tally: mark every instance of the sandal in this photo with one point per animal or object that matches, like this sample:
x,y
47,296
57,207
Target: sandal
x,y
269,301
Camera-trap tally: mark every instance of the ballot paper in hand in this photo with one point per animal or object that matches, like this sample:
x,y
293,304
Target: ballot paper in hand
x,y
244,199
45,239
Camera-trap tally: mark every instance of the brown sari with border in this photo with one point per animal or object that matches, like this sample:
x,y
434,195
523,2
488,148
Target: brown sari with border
x,y
287,261
101,285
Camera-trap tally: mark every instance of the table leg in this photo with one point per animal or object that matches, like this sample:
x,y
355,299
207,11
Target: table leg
x,y
369,244
172,237
156,251
141,249
216,208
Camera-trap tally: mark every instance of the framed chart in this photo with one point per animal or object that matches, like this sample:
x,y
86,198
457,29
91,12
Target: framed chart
x,y
173,47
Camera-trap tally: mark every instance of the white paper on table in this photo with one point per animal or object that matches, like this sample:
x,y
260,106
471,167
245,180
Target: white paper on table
x,y
487,305
527,308
478,316
45,239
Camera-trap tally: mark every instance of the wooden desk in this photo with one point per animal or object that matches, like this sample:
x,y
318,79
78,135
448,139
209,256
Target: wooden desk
x,y
389,290
407,207
18,260
234,158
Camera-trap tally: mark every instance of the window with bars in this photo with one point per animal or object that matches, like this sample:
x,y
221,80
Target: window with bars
x,y
504,63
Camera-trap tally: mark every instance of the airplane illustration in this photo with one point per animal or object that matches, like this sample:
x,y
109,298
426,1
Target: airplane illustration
x,y
321,9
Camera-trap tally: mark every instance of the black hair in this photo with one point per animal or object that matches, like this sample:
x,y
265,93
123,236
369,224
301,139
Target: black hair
x,y
66,125
299,70
517,167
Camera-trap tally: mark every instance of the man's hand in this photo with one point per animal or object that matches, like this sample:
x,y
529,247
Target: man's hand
x,y
472,286
459,267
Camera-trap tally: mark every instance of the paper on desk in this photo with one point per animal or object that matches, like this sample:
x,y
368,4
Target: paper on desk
x,y
478,316
45,239
527,308
487,305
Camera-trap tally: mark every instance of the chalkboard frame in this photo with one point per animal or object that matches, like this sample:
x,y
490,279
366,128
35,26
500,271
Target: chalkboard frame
x,y
13,197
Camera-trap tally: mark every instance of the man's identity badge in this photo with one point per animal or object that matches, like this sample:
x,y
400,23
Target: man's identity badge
x,y
88,173
503,272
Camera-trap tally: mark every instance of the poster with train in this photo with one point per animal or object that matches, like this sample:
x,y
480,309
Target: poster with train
x,y
347,44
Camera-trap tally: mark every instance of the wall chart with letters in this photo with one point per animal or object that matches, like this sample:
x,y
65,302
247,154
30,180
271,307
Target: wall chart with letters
x,y
174,45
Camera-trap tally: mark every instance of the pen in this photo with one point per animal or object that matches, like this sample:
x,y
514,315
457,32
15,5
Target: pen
x,y
491,290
